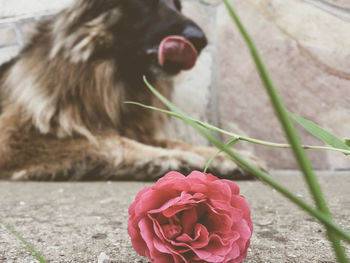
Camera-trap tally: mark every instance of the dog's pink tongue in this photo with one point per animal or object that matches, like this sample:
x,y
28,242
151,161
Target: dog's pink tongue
x,y
179,50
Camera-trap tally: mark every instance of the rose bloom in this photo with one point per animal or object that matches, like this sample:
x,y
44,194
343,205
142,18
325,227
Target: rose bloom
x,y
198,218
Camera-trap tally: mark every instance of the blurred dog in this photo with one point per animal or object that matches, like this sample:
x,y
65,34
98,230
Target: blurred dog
x,y
63,115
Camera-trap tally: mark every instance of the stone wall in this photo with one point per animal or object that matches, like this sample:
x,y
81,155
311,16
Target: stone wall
x,y
304,43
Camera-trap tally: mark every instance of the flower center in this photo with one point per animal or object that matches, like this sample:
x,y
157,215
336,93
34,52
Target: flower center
x,y
172,231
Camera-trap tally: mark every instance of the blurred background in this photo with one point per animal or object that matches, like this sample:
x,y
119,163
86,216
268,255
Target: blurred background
x,y
304,43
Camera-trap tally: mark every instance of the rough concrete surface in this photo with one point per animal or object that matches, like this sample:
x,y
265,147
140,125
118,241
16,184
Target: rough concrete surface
x,y
78,222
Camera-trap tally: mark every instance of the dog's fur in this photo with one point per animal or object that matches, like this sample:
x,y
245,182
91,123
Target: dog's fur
x,y
62,107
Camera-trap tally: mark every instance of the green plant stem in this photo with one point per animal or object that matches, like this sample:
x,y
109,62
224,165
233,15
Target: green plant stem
x,y
26,243
229,144
291,135
264,177
237,136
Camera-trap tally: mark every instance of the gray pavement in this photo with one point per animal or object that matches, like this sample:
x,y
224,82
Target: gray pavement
x,y
78,222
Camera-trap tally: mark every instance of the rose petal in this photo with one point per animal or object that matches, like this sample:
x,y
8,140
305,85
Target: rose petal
x,y
234,253
243,229
218,246
173,175
225,207
198,187
148,236
202,176
145,229
138,198
136,239
151,200
177,204
173,210
161,219
241,203
171,231
219,191
215,251
200,240
202,254
234,187
161,234
142,192
189,218
170,203
158,230
164,248
243,252
216,221
170,180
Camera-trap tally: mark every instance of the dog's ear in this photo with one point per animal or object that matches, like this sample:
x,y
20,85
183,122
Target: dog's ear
x,y
83,27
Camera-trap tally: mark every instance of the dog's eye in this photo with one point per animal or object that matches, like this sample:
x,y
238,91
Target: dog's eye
x,y
178,5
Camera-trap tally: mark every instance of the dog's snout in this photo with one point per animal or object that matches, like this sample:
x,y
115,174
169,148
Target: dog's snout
x,y
196,36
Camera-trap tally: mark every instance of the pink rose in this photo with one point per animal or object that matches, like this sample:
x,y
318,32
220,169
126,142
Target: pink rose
x,y
198,218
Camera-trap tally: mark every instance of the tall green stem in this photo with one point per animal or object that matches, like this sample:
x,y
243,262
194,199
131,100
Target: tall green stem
x,y
291,134
254,170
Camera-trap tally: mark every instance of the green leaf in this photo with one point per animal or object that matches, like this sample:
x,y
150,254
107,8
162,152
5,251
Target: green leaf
x,y
29,246
347,142
233,135
321,133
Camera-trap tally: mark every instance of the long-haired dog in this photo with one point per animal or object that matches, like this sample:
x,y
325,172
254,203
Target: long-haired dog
x,y
63,115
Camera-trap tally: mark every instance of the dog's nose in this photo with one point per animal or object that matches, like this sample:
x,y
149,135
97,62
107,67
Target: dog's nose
x,y
196,36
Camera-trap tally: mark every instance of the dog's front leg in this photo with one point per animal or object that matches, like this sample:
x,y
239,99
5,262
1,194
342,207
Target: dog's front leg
x,y
112,157
222,166
138,161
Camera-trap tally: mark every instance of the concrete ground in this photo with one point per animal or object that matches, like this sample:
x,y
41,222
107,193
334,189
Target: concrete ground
x,y
80,222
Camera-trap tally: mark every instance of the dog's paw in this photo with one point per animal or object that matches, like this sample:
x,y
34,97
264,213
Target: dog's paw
x,y
185,162
177,160
252,159
223,166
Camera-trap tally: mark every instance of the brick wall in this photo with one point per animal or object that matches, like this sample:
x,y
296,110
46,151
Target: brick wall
x,y
306,47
